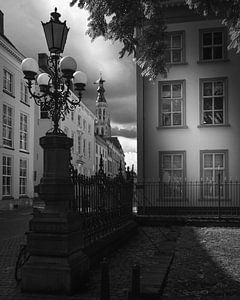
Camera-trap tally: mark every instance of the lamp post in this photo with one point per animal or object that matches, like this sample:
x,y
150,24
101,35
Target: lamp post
x,y
57,263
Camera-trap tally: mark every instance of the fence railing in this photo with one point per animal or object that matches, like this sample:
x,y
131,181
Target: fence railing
x,y
104,204
198,197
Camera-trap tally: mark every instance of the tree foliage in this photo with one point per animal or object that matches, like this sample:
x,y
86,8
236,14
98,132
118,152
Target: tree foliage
x,y
139,25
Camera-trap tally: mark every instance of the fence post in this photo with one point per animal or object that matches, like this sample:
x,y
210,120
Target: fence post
x,y
135,292
219,196
105,286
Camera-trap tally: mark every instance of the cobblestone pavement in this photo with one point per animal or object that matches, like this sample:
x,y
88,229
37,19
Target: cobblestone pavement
x,y
145,248
206,265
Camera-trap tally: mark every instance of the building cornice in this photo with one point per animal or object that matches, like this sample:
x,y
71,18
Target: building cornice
x,y
11,50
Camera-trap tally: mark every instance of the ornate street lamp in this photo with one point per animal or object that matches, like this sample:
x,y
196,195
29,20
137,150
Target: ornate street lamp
x,y
56,261
55,95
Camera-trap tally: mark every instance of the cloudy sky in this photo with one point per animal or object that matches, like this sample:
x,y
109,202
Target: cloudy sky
x,y
22,25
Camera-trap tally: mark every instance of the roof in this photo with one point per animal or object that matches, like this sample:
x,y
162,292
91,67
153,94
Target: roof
x,y
114,140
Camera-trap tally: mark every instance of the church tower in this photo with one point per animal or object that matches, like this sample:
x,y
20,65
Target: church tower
x,y
102,125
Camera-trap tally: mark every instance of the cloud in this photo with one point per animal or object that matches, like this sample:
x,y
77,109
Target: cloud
x,y
128,133
131,159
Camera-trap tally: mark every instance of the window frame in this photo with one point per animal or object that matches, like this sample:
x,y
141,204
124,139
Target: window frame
x,y
12,82
182,48
25,186
23,134
24,93
213,182
7,126
176,152
224,44
10,176
183,105
225,101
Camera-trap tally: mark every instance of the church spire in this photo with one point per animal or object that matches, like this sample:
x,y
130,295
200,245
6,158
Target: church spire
x,y
100,90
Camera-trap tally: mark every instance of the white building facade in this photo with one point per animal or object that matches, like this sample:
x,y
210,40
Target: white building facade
x,y
17,126
188,123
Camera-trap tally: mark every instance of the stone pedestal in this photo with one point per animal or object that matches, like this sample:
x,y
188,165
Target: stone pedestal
x,y
57,263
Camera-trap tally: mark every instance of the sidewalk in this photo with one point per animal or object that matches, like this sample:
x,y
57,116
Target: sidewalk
x,y
149,248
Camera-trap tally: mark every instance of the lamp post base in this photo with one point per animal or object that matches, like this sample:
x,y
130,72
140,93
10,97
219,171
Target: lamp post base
x,y
54,241
57,263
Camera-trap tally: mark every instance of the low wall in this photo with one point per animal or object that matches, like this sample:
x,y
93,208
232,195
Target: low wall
x,y
104,246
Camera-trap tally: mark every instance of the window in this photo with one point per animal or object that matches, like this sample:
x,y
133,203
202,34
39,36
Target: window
x,y
213,101
84,147
24,93
84,124
79,144
172,166
79,121
23,177
172,103
7,82
23,132
213,44
7,126
89,128
44,112
175,48
89,150
6,175
72,115
214,168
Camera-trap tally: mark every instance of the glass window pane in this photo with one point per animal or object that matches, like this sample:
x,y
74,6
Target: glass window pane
x,y
207,53
217,38
166,91
176,41
218,117
177,161
219,160
168,41
207,38
177,90
177,55
166,106
218,88
177,105
207,118
177,175
166,119
218,103
166,161
208,160
177,120
207,89
207,104
207,175
217,52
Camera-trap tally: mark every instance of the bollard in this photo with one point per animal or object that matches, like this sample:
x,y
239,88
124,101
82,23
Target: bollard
x,y
105,286
135,294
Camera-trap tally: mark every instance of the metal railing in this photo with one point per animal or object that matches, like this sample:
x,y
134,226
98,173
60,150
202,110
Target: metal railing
x,y
188,198
104,203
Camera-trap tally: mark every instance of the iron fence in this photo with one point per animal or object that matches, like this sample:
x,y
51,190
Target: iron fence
x,y
104,203
188,198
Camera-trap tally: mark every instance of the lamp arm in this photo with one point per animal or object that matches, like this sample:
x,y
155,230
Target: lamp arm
x,y
37,98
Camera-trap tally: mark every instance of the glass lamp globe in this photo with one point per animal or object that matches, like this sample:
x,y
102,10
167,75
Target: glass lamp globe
x,y
43,81
30,68
79,80
68,66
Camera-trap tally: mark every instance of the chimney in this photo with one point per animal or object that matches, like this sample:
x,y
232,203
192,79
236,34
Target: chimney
x,y
1,23
42,62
